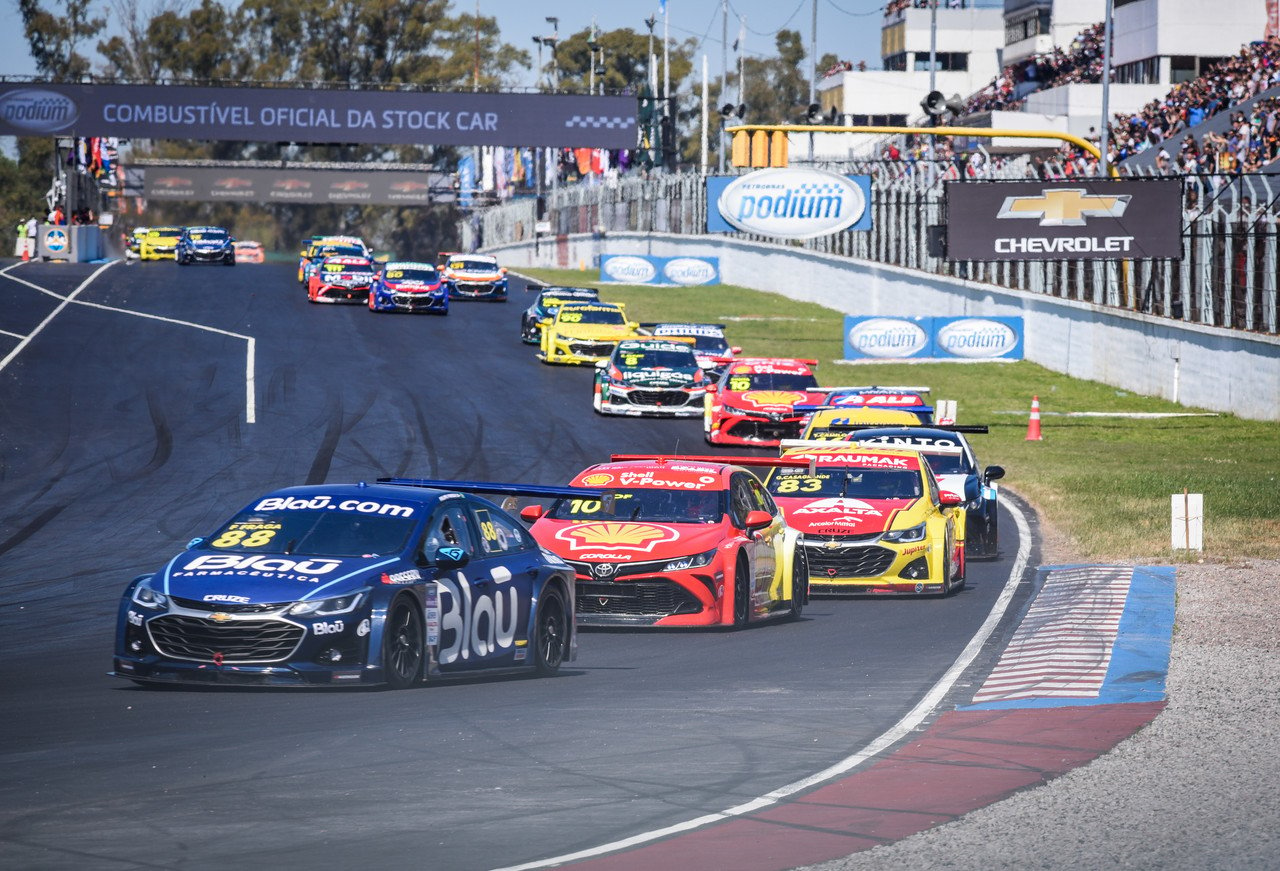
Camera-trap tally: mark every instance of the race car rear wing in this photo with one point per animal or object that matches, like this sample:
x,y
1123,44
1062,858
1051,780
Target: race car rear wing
x,y
829,443
972,428
854,409
875,388
718,459
531,491
650,326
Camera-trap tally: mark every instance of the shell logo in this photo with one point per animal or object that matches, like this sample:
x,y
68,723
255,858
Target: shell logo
x,y
642,537
599,479
761,398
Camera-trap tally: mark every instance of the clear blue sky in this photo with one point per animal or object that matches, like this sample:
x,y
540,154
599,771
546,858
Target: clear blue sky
x,y
848,28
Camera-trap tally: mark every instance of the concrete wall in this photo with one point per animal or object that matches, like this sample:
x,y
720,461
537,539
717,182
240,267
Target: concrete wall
x,y
1207,367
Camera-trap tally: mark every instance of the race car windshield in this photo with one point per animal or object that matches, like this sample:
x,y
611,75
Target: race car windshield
x,y
659,506
339,251
598,316
426,276
473,265
949,464
652,358
855,483
349,268
317,532
711,344
771,381
208,236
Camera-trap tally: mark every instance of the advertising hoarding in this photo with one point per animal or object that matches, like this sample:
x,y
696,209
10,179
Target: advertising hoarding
x,y
930,338
790,203
1080,219
663,271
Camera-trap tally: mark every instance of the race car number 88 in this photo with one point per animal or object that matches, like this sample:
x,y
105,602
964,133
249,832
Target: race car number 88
x,y
571,317
244,538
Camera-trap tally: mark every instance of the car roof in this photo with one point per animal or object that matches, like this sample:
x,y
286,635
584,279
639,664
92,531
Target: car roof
x,y
655,474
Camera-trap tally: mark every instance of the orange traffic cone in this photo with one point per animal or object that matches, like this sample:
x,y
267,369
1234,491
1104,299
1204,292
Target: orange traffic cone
x,y
1033,425
26,250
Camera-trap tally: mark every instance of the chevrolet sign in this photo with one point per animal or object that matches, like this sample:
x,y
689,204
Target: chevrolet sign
x,y
1094,219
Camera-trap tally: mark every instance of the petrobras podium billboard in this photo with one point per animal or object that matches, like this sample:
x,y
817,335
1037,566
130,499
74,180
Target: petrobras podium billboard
x,y
788,203
662,271
1081,219
927,338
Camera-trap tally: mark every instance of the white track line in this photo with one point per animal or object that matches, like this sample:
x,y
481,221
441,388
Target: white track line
x,y
250,401
896,733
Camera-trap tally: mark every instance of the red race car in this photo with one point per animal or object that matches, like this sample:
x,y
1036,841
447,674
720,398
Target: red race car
x,y
754,401
677,541
341,279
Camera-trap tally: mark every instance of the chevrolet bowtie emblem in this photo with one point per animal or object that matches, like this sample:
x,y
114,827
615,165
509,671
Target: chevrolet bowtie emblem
x,y
1064,207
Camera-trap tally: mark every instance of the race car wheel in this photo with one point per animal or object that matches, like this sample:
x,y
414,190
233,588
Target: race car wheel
x,y
946,575
799,583
553,633
402,646
741,592
597,399
372,307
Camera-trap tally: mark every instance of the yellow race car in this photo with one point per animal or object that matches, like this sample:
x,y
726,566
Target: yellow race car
x,y
838,424
159,243
872,520
585,332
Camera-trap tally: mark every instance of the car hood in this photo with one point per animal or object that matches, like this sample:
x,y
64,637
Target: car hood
x,y
620,541
255,578
612,332
659,377
837,516
770,401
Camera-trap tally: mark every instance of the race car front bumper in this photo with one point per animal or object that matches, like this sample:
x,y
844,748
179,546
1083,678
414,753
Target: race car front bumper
x,y
652,402
735,429
412,302
864,565
496,291
647,597
340,293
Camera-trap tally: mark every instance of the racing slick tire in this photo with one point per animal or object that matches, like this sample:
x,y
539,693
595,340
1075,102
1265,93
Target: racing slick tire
x,y
946,576
402,646
799,583
597,400
372,307
552,629
741,592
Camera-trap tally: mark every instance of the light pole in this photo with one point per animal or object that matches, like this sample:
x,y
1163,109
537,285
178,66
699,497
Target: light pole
x,y
538,42
552,41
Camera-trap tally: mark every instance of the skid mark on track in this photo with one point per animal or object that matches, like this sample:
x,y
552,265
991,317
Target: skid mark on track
x,y
163,445
428,444
31,528
337,426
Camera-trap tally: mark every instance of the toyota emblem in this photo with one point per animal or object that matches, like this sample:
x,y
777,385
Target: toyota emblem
x,y
604,570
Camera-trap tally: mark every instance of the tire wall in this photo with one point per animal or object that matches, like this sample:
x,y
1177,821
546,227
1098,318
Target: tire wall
x,y
1199,366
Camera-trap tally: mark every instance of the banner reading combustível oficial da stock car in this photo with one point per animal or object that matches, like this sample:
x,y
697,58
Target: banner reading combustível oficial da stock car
x,y
1078,219
257,114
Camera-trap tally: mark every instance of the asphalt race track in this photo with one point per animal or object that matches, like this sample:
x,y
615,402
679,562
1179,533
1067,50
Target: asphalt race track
x,y
122,436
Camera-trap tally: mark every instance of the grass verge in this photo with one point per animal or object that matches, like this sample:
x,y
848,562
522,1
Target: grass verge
x,y
1104,483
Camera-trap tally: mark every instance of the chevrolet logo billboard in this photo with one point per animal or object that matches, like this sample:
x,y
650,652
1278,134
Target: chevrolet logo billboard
x,y
1094,219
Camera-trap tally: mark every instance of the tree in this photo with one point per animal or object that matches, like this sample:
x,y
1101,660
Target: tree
x,y
55,39
23,183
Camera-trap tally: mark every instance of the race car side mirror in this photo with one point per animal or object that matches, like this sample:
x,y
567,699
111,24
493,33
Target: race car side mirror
x,y
735,350
992,473
530,513
447,557
945,498
602,364
757,520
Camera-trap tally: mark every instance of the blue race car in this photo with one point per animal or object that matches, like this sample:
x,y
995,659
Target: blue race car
x,y
205,245
410,287
332,585
955,465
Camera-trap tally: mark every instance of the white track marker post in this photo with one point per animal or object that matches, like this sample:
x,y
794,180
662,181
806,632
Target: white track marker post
x,y
1188,520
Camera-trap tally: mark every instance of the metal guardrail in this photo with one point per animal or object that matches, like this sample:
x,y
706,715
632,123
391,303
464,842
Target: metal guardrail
x,y
1227,276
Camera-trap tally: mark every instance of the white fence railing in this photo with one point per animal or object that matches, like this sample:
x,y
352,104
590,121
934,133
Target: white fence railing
x,y
1226,277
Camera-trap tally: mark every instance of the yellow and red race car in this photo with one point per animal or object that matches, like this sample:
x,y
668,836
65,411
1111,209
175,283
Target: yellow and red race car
x,y
871,520
754,401
585,332
677,541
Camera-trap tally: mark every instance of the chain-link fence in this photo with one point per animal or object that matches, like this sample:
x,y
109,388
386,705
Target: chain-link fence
x,y
1227,275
